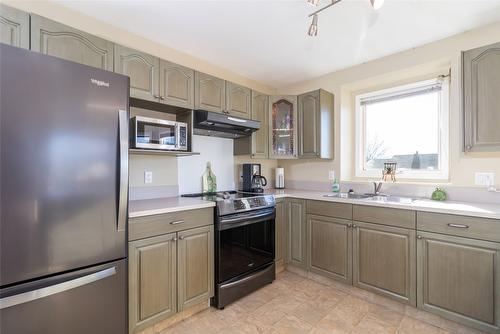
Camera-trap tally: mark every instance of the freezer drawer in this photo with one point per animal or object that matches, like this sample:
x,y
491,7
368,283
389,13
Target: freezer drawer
x,y
93,300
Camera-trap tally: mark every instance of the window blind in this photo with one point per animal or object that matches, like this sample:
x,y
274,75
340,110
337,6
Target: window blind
x,y
435,87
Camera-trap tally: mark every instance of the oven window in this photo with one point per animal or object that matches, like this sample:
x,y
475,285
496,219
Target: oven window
x,y
245,248
153,133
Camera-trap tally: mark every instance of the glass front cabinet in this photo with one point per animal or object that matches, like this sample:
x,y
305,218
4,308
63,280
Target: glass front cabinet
x,y
283,136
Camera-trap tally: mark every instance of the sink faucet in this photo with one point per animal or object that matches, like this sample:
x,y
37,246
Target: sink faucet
x,y
377,187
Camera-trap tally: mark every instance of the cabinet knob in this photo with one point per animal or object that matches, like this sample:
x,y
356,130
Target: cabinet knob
x,y
162,97
181,238
354,226
174,239
156,96
349,225
468,147
419,237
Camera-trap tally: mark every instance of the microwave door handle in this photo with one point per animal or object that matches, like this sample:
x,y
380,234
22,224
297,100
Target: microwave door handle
x,y
123,170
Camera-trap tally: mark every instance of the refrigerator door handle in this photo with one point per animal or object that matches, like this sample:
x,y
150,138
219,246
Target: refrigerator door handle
x,y
56,288
123,182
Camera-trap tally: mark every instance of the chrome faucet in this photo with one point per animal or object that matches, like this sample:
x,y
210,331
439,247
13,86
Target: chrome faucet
x,y
376,187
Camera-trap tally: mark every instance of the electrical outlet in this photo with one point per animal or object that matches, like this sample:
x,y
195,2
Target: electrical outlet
x,y
484,179
331,175
148,177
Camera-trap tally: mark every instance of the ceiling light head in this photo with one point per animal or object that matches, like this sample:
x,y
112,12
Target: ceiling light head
x,y
313,2
376,4
313,29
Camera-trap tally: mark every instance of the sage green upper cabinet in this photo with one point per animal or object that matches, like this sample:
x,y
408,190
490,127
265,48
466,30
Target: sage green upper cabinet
x,y
152,280
260,138
195,266
283,127
143,70
315,123
384,261
176,85
209,93
459,278
58,40
330,247
238,100
14,27
296,230
481,100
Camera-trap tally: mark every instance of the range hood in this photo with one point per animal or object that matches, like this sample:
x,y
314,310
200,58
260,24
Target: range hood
x,y
213,124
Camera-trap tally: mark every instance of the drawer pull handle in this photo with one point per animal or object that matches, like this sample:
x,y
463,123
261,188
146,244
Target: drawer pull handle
x,y
458,225
177,222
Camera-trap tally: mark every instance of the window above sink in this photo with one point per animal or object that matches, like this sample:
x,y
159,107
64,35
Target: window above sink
x,y
405,124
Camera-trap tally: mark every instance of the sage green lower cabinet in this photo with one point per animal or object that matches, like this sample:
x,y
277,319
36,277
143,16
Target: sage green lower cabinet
x,y
195,266
14,27
330,247
58,40
459,278
152,280
169,273
384,260
280,233
296,230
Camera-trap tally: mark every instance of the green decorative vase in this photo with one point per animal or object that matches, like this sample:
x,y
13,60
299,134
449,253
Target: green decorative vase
x,y
439,195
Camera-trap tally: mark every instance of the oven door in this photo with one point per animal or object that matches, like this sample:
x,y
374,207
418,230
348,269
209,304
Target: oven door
x,y
156,134
245,242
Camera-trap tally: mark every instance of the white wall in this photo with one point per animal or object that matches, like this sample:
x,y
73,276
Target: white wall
x,y
219,151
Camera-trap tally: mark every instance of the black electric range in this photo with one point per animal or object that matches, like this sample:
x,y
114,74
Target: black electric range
x,y
244,243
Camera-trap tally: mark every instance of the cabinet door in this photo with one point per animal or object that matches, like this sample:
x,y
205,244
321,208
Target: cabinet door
x,y
330,247
14,27
459,279
283,131
176,85
296,229
143,70
58,40
195,265
152,280
309,125
481,70
260,138
384,261
209,93
280,236
238,100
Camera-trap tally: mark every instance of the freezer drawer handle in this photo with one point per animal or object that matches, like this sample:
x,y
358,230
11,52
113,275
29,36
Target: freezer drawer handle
x,y
458,225
57,288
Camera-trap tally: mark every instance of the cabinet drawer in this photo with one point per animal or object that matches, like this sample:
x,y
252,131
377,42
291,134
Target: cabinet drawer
x,y
330,209
464,226
386,216
143,227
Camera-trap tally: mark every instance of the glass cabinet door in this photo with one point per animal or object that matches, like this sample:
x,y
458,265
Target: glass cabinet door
x,y
283,127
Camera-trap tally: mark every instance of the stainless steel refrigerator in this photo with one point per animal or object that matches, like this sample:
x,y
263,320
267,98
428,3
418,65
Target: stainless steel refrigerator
x,y
63,198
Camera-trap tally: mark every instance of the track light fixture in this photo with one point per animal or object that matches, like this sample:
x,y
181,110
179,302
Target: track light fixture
x,y
313,2
313,28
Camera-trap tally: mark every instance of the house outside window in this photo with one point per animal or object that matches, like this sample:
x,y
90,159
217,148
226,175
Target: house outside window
x,y
406,125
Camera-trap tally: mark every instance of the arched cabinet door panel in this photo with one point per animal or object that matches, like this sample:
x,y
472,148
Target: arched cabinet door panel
x,y
481,101
14,27
210,93
58,40
176,85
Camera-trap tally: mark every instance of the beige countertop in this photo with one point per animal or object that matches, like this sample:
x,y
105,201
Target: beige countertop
x,y
484,210
156,206
140,208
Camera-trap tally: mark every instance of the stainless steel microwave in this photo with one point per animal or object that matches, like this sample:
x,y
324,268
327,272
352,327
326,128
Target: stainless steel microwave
x,y
158,134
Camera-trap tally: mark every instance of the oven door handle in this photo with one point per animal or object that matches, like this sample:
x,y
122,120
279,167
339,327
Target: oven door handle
x,y
246,219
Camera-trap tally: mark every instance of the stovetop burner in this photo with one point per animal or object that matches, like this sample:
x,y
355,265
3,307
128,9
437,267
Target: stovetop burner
x,y
230,202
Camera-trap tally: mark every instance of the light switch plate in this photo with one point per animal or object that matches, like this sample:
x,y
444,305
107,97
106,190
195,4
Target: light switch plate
x,y
486,179
331,175
148,177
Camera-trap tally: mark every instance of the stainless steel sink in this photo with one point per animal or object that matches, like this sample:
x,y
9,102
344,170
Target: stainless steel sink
x,y
391,199
348,195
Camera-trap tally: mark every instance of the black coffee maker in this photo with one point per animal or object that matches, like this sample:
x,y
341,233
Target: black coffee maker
x,y
253,181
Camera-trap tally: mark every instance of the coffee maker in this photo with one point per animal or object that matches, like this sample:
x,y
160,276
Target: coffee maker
x,y
253,181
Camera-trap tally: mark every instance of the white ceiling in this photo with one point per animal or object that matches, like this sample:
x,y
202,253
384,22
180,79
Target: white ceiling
x,y
266,40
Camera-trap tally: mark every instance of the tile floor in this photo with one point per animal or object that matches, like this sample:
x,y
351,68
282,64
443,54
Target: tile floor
x,y
294,304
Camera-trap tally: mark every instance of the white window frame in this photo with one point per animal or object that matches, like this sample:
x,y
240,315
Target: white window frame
x,y
443,126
